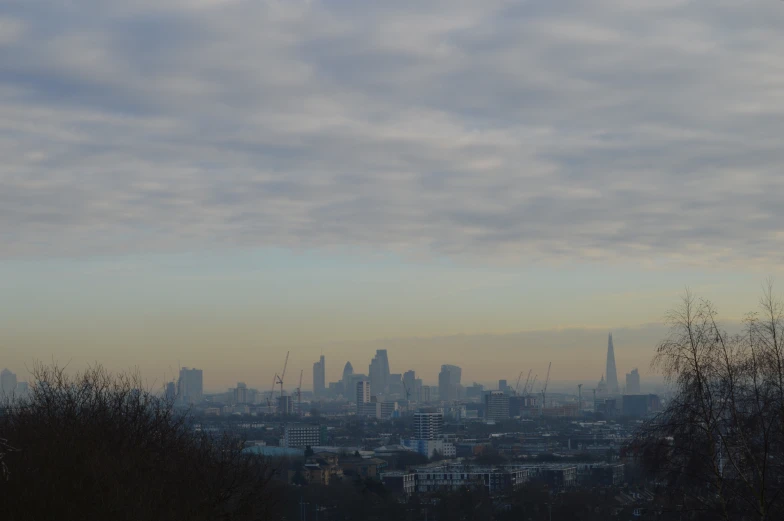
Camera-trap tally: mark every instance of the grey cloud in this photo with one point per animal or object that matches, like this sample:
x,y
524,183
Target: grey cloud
x,y
500,130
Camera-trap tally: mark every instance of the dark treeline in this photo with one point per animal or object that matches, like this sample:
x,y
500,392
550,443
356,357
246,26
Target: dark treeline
x,y
98,446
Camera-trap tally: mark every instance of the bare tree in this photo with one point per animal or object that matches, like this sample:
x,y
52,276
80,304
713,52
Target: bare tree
x,y
719,442
100,446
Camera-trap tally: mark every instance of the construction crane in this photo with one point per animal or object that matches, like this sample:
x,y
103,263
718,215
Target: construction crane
x,y
283,374
408,391
531,389
544,387
527,380
299,393
518,381
271,395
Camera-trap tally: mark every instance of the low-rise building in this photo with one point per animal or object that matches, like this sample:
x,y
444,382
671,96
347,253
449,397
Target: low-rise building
x,y
430,447
299,436
362,467
399,482
457,476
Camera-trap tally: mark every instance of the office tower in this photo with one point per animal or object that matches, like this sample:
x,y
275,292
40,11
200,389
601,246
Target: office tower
x,y
319,378
633,382
366,404
170,392
348,370
190,388
363,392
410,386
285,405
428,424
347,388
611,374
7,384
240,393
502,385
449,382
425,395
379,372
387,410
496,406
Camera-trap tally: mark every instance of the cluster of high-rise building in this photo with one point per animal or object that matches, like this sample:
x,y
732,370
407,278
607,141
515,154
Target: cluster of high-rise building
x,y
385,385
611,399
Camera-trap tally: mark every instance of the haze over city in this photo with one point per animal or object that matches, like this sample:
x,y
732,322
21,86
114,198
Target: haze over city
x,y
495,185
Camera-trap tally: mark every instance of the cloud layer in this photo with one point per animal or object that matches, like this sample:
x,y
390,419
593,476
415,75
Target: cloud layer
x,y
606,129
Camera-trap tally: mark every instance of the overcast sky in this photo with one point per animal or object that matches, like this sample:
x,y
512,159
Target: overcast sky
x,y
212,182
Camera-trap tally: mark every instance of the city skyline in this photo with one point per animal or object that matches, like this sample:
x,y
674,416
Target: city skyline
x,y
402,361
217,183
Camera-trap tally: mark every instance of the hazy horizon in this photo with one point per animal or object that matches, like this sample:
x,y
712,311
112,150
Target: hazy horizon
x,y
496,185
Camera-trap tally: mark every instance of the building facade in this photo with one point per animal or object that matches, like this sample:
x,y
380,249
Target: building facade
x,y
190,386
633,382
496,406
428,425
299,436
7,384
457,476
319,378
449,382
379,372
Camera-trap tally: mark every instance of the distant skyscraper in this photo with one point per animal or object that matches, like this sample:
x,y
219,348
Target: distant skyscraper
x,y
170,392
612,374
7,384
363,392
365,402
240,393
410,387
190,386
449,382
502,385
633,382
348,370
496,406
319,377
379,372
425,393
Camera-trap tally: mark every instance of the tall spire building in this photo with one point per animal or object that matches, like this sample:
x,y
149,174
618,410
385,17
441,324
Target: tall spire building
x,y
612,374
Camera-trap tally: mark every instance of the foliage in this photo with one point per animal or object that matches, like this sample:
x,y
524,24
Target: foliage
x,y
719,444
98,446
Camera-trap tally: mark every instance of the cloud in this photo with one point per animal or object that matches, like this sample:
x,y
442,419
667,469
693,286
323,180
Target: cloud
x,y
494,130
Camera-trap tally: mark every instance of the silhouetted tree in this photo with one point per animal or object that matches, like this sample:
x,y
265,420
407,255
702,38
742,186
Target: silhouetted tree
x,y
719,444
98,446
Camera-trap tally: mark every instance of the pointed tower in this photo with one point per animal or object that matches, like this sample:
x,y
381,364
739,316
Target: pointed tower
x,y
612,374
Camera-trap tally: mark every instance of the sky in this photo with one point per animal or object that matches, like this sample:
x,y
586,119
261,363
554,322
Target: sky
x,y
492,184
